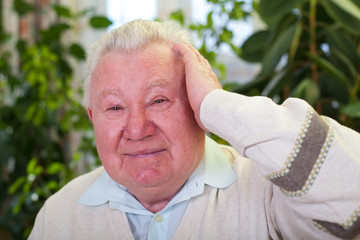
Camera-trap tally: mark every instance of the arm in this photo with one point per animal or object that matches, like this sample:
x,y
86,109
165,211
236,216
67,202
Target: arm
x,y
314,160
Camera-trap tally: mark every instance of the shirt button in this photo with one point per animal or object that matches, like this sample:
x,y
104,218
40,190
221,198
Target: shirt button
x,y
158,218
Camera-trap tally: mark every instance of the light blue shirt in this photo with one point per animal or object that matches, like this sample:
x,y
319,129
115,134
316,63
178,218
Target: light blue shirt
x,y
213,170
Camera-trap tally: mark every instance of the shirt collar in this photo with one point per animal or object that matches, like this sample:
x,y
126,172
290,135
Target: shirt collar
x,y
214,170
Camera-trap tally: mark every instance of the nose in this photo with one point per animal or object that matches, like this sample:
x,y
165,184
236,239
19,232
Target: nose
x,y
138,125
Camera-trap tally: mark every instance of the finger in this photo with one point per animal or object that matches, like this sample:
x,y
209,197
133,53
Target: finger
x,y
191,56
185,52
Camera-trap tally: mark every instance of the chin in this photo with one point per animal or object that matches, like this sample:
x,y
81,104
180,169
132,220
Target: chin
x,y
150,178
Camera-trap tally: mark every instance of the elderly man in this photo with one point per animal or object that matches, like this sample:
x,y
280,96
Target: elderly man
x,y
151,97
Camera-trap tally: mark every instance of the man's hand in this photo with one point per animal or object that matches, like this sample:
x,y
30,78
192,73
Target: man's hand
x,y
199,77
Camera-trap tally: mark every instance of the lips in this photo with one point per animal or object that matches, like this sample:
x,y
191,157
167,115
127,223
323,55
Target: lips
x,y
144,153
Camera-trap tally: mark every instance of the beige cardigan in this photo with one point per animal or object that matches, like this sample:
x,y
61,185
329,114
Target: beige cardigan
x,y
279,194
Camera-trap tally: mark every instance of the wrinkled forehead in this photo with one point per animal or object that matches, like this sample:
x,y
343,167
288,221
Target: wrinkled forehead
x,y
156,66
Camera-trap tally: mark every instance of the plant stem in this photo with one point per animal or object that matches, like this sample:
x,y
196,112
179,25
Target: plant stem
x,y
312,19
314,69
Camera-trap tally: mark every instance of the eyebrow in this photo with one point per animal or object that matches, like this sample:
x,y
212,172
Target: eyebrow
x,y
108,92
155,84
160,84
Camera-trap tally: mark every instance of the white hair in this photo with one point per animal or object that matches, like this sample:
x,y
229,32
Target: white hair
x,y
131,37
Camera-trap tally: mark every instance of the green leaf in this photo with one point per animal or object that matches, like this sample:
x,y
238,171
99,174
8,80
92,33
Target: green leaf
x,y
54,33
210,20
342,17
16,185
344,43
62,11
307,90
27,187
295,43
52,185
77,51
19,203
22,7
331,69
254,47
237,11
30,168
348,6
21,45
352,110
345,63
273,11
54,168
99,22
226,36
278,49
38,170
331,88
178,16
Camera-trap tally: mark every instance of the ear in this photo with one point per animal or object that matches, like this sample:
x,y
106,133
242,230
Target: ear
x,y
89,112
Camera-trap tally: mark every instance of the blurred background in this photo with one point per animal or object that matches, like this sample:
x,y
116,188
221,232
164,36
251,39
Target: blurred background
x,y
277,48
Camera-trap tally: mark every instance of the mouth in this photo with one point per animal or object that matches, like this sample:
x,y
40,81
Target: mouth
x,y
145,153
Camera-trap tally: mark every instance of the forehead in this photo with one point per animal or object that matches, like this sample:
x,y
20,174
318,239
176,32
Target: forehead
x,y
156,66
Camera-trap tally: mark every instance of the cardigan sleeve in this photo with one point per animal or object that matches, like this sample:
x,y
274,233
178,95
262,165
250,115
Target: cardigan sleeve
x,y
314,161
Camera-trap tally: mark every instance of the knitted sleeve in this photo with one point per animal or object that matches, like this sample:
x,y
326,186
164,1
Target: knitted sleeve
x,y
313,160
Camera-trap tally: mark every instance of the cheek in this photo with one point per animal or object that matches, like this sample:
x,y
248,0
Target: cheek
x,y
107,136
188,122
182,130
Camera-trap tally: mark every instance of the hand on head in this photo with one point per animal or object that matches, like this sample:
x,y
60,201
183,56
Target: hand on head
x,y
199,77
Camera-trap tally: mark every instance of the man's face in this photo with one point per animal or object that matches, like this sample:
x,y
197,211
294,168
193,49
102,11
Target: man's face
x,y
146,134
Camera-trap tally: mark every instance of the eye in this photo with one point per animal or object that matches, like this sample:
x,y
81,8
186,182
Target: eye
x,y
157,101
115,108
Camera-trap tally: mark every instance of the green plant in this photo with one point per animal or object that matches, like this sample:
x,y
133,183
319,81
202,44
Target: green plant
x,y
39,112
217,29
308,49
320,40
